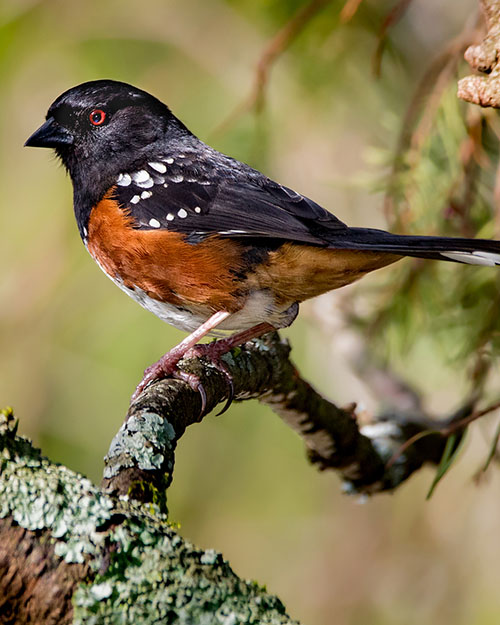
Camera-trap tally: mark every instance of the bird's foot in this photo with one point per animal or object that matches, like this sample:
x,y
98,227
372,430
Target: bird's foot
x,y
163,368
167,366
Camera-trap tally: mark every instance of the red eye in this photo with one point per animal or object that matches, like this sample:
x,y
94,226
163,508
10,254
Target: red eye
x,y
97,117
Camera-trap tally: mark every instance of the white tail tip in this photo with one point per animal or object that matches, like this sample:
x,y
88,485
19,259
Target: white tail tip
x,y
489,259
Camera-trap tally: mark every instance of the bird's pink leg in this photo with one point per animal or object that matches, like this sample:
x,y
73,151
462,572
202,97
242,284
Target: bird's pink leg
x,y
167,365
168,362
215,350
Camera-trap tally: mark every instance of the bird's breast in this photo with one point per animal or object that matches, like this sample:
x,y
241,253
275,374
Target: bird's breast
x,y
181,283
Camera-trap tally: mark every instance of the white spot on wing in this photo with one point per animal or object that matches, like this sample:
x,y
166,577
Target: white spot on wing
x,y
182,213
169,160
135,199
154,223
123,180
170,217
145,195
159,167
197,209
177,178
140,176
147,184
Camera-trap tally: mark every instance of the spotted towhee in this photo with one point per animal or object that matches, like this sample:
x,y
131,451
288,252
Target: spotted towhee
x,y
201,240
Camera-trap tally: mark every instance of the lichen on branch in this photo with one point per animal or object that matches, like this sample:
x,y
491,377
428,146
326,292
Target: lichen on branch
x,y
69,553
140,460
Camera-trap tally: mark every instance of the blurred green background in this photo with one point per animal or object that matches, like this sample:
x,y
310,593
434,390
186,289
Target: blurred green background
x,y
73,346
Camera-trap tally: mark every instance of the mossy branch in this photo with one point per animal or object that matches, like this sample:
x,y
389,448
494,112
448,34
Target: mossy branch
x,y
69,553
73,553
140,460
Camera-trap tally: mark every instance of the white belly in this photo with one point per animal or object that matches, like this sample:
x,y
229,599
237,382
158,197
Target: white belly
x,y
258,307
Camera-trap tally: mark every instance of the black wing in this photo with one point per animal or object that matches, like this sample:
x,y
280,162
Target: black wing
x,y
199,197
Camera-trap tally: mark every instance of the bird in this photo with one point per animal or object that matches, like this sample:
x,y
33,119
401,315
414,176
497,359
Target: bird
x,y
205,242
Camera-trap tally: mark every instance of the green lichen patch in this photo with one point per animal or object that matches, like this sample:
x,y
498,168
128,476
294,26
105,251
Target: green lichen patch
x,y
39,495
155,577
143,571
142,442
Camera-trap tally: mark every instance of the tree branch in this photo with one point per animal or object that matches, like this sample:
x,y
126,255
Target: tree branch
x,y
394,15
141,457
71,554
281,41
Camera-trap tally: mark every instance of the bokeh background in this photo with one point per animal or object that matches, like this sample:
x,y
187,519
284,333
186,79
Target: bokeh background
x,y
73,346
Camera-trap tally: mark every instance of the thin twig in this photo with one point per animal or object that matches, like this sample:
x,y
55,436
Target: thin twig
x,y
444,431
349,10
445,62
407,444
392,18
463,423
496,201
273,50
471,154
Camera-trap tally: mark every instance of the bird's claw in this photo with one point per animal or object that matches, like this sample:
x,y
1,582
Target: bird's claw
x,y
212,352
230,395
167,366
194,382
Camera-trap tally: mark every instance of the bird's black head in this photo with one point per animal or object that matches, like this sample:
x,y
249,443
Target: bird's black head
x,y
103,127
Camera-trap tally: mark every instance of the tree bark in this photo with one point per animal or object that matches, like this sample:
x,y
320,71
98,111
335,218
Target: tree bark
x,y
69,553
74,553
141,457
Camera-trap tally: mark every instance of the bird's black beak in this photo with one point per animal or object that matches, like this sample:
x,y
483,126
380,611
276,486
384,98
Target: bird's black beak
x,y
50,135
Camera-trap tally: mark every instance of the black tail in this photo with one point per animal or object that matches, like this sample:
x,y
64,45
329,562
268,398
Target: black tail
x,y
470,251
